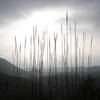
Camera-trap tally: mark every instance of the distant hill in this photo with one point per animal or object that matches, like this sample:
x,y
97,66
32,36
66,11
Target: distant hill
x,y
7,67
10,69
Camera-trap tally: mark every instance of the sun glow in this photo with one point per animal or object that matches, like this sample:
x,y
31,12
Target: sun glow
x,y
44,20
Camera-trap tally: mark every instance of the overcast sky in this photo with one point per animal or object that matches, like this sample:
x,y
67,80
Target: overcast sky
x,y
87,13
86,10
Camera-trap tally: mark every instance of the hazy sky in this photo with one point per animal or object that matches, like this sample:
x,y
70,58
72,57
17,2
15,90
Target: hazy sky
x,y
13,13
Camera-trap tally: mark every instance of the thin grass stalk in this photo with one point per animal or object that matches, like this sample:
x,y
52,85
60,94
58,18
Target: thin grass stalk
x,y
55,61
83,51
67,47
64,55
15,52
79,62
30,51
24,55
55,51
89,64
70,35
34,42
13,59
38,53
62,58
76,47
24,64
42,46
16,58
20,59
83,57
50,73
91,45
70,47
47,54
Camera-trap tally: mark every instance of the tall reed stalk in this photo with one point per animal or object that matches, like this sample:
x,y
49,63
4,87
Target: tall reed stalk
x,y
83,50
76,51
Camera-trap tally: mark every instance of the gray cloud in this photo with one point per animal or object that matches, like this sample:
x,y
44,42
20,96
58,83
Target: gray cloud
x,y
15,9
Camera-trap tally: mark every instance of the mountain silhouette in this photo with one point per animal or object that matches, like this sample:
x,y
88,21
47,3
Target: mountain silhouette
x,y
7,68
